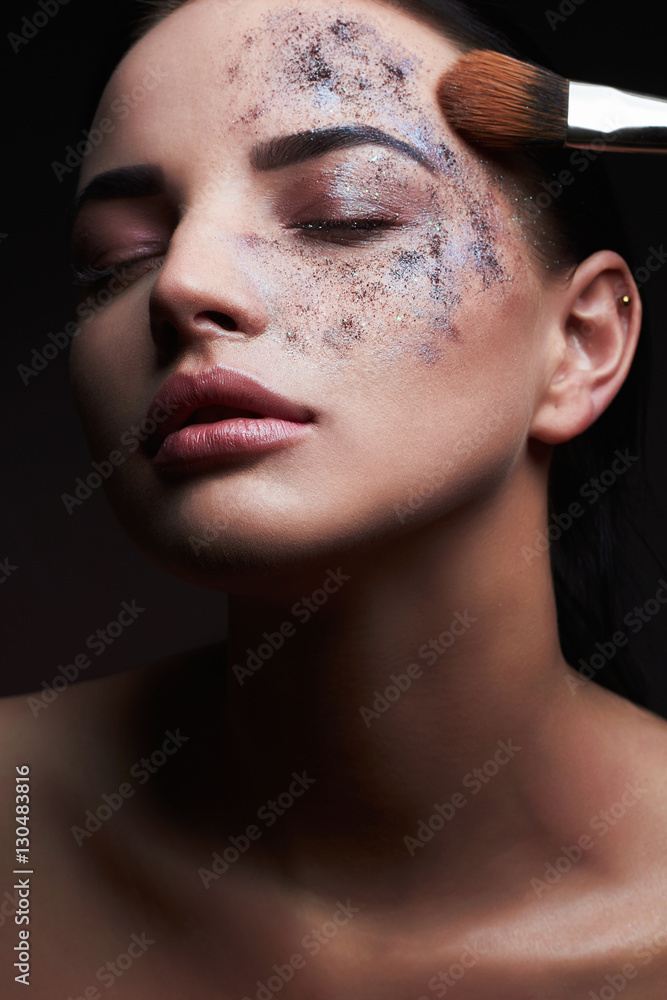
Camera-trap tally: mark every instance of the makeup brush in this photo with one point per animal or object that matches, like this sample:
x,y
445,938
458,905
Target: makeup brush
x,y
494,100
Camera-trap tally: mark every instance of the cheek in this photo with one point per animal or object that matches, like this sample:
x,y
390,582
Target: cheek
x,y
401,297
110,365
420,350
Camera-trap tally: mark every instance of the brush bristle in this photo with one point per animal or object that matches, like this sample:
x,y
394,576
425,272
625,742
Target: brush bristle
x,y
494,100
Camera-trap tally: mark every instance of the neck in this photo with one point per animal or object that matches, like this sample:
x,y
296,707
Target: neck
x,y
425,678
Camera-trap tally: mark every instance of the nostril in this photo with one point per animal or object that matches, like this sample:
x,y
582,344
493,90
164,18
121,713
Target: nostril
x,y
169,338
222,320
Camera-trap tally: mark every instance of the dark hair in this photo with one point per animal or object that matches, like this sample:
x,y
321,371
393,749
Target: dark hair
x,y
592,577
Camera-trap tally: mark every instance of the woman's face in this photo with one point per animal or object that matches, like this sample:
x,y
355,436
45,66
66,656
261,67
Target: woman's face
x,y
386,290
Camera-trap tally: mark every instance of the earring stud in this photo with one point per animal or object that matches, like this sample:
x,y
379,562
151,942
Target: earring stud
x,y
625,301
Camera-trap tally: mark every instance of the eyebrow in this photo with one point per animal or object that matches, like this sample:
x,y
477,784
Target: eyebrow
x,y
286,151
143,180
138,181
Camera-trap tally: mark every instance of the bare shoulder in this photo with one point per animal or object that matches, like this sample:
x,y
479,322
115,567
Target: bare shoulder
x,y
635,739
642,735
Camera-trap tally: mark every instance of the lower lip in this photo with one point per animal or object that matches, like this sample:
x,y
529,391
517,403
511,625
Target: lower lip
x,y
204,444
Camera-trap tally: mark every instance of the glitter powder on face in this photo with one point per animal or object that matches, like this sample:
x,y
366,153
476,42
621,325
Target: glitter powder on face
x,y
339,64
336,57
373,281
396,291
401,287
414,275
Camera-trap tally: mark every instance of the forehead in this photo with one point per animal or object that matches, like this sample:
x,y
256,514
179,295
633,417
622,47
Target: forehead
x,y
221,68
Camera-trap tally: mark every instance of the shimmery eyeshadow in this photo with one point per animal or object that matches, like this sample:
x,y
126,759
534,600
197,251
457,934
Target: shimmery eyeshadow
x,y
393,297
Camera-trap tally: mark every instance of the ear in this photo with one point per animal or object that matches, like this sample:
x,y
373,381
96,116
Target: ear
x,y
591,338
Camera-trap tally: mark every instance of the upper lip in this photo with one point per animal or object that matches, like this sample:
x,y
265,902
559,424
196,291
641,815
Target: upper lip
x,y
184,393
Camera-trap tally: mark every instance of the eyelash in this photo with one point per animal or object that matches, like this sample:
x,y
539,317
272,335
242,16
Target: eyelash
x,y
92,277
359,230
365,229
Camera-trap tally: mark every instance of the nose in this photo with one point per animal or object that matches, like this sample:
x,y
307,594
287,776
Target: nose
x,y
205,292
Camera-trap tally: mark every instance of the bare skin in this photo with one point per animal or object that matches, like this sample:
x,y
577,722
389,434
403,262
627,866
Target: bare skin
x,y
442,365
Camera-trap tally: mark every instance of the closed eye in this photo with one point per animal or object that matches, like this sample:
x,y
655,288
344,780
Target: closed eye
x,y
125,272
347,231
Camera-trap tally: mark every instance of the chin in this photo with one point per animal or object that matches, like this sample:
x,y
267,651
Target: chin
x,y
258,558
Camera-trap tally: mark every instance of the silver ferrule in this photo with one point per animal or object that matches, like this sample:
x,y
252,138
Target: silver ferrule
x,y
601,117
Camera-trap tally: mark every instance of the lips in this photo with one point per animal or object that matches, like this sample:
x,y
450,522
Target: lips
x,y
218,413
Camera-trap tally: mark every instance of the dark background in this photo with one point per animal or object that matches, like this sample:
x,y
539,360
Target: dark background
x,y
74,571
